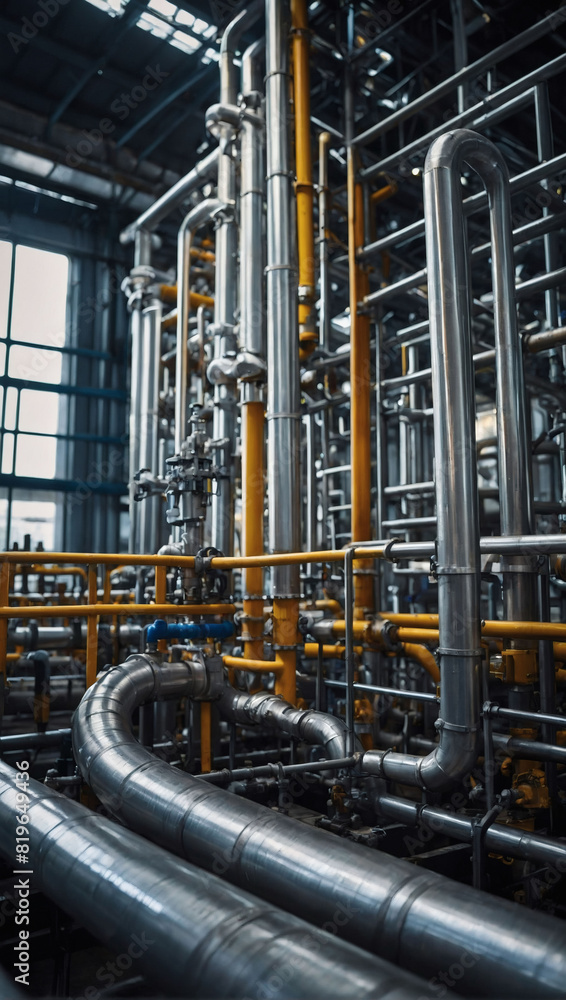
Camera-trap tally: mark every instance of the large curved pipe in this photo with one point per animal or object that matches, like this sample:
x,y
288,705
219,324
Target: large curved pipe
x,y
458,547
316,728
188,931
417,919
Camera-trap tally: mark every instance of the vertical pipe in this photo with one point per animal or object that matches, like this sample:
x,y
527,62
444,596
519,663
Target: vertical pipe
x,y
360,369
283,398
252,341
225,294
304,187
92,629
142,258
184,240
323,226
151,513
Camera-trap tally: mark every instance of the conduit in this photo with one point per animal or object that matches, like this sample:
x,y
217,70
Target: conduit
x,y
418,919
184,928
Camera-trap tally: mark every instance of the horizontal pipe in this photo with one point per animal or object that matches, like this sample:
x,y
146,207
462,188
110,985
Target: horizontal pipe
x,y
23,741
473,203
276,769
85,610
515,746
392,908
490,629
173,198
498,838
189,932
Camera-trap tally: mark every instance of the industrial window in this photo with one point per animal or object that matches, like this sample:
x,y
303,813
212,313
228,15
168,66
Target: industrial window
x,y
33,319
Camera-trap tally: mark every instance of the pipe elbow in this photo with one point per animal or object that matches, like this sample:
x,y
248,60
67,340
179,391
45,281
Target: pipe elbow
x,y
448,763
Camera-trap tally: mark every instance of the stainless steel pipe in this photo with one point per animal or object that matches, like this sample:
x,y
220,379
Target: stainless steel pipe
x,y
458,544
283,395
418,919
184,928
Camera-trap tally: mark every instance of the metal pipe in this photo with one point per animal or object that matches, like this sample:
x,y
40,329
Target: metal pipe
x,y
499,838
252,340
304,188
186,929
246,843
458,548
225,296
198,216
174,198
324,140
272,712
283,395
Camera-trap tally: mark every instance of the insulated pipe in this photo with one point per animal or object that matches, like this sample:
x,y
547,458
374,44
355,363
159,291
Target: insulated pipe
x,y
417,918
142,259
198,216
188,931
316,728
225,295
458,546
283,391
172,199
304,189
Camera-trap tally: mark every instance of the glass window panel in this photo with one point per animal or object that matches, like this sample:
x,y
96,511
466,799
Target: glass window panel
x,y
35,518
36,456
5,273
2,357
11,409
39,309
35,365
39,411
7,454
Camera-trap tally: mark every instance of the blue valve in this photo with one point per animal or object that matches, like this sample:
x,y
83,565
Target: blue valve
x,y
188,630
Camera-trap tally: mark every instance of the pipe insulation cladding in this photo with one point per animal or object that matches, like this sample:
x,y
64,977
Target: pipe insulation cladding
x,y
188,931
418,919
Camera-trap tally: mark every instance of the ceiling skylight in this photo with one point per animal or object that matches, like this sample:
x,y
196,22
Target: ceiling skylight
x,y
167,20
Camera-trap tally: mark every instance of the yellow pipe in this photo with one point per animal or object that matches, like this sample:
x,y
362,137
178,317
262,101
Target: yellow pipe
x,y
187,562
86,610
253,424
169,295
490,629
424,657
384,193
205,738
91,629
195,301
310,650
360,388
276,666
308,333
285,619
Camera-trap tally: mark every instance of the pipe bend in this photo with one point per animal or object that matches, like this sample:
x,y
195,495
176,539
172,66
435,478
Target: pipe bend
x,y
315,728
462,145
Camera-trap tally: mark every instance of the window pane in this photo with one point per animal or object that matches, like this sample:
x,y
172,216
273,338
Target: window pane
x,y
35,456
39,411
5,270
2,357
35,518
35,365
11,409
40,297
7,454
